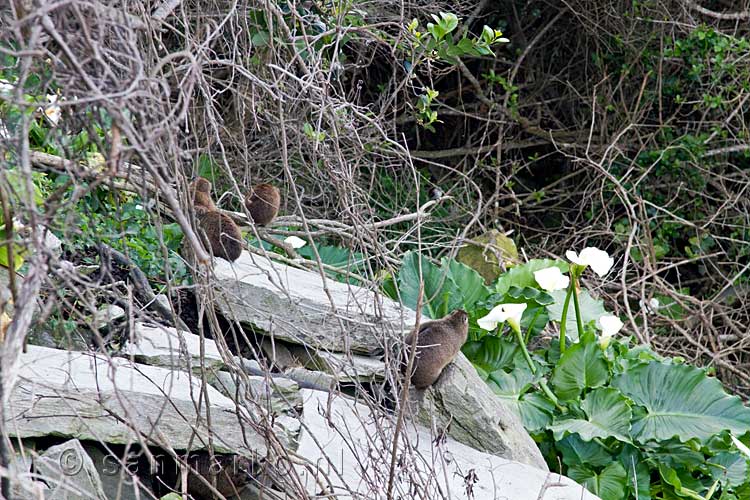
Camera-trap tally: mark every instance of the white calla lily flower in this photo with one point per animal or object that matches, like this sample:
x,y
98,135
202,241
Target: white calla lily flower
x,y
740,446
53,112
503,312
610,325
551,279
599,260
295,242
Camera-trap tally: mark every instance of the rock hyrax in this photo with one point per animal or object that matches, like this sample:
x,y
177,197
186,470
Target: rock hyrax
x,y
262,203
224,237
438,342
200,191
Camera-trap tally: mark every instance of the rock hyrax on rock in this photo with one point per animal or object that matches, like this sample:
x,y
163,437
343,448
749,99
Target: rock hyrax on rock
x,y
223,235
438,342
262,203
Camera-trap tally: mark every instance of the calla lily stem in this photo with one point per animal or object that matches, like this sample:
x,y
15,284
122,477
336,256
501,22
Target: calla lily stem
x,y
579,322
564,318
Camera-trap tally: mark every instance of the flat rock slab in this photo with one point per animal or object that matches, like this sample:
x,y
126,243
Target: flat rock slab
x,y
463,403
293,305
171,348
346,436
89,397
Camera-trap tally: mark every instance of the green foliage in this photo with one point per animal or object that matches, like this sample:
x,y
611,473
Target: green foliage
x,y
624,422
122,222
447,287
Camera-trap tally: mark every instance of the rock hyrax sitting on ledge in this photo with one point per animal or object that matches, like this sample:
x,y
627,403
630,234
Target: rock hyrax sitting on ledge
x,y
262,203
438,342
223,235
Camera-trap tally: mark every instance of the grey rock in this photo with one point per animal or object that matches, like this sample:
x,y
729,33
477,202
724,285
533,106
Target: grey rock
x,y
463,403
24,485
311,378
69,472
277,394
107,314
293,305
352,445
168,347
57,389
53,244
349,367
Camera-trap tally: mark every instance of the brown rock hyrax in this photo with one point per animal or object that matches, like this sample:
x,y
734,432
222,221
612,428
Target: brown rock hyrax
x,y
232,474
200,192
262,203
222,234
438,342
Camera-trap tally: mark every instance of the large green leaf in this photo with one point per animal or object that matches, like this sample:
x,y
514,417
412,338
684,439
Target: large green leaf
x,y
576,451
523,275
682,402
683,482
607,415
535,410
609,484
446,288
468,281
441,295
591,310
581,367
730,468
492,353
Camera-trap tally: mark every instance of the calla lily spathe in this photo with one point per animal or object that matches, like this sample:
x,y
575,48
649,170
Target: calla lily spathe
x,y
500,313
599,260
610,326
551,279
295,242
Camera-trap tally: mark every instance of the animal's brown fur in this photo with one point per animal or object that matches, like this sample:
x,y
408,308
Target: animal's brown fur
x,y
438,342
223,235
263,203
200,190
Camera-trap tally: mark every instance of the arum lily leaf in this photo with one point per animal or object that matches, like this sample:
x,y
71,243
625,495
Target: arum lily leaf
x,y
581,366
682,402
607,415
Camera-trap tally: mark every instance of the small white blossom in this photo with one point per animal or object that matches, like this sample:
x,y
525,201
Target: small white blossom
x,y
503,312
599,260
295,242
654,303
551,279
53,112
610,325
740,446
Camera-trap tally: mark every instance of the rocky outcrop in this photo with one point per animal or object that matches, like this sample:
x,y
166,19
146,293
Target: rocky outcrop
x,y
458,436
297,306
